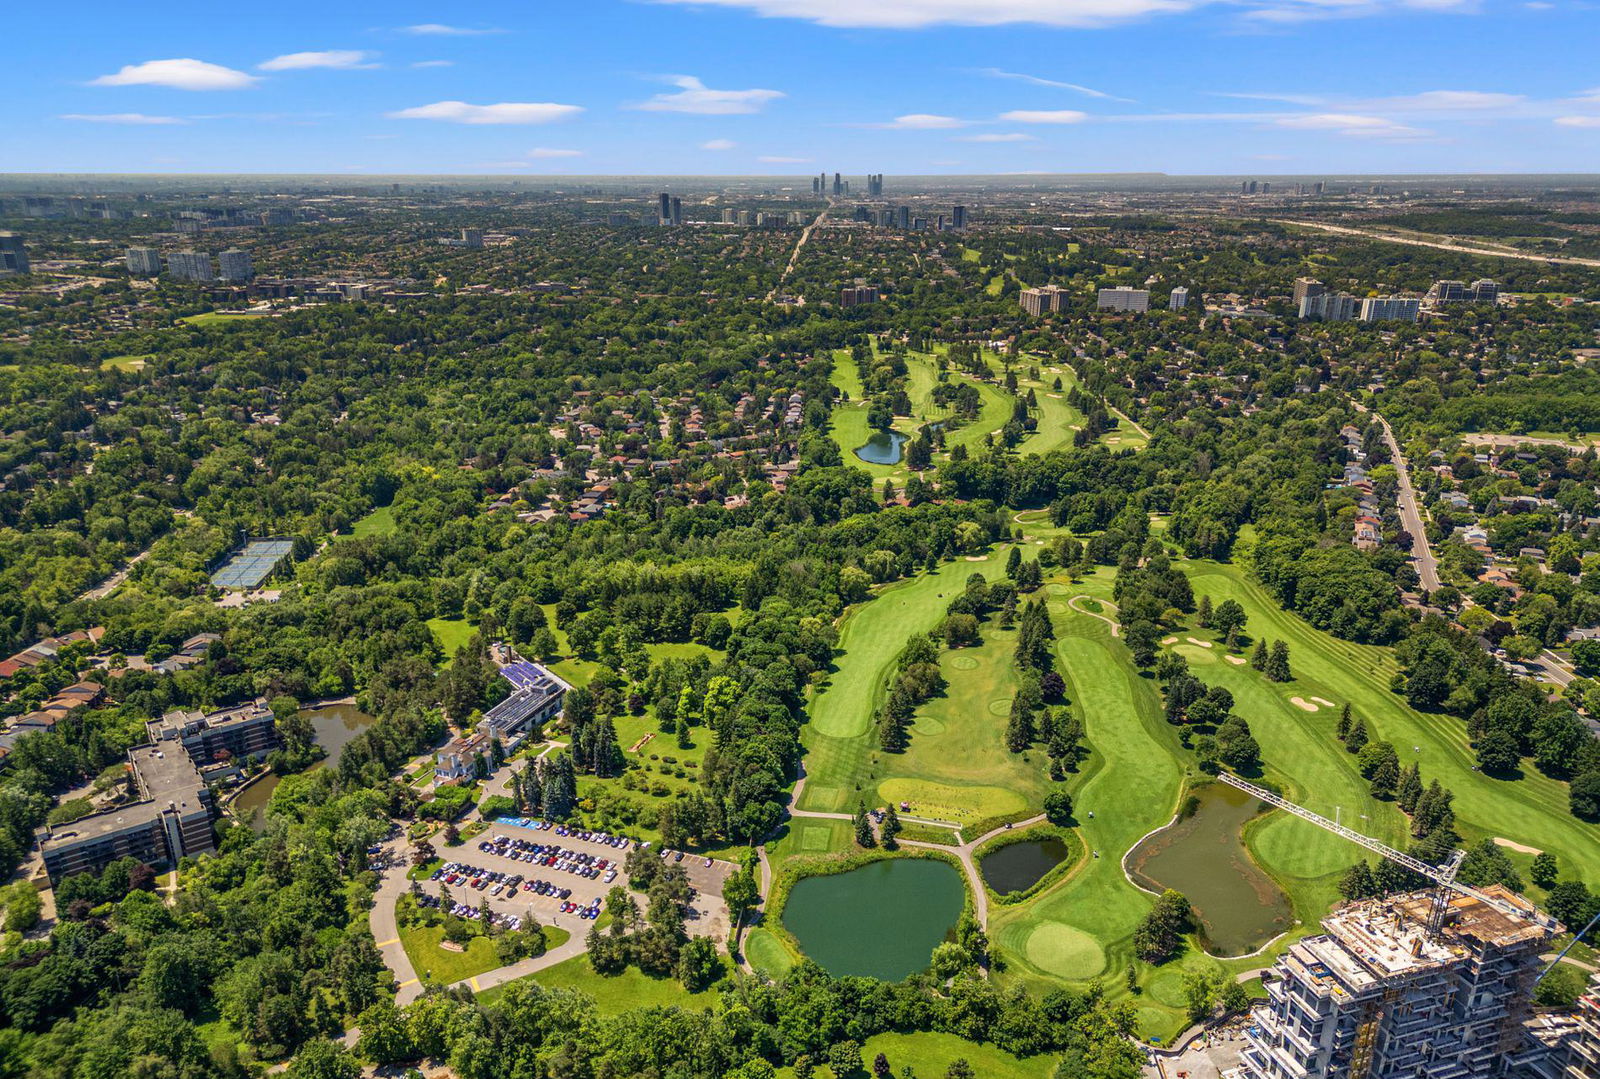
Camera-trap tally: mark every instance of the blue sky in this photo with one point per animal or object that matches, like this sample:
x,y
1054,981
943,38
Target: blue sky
x,y
793,86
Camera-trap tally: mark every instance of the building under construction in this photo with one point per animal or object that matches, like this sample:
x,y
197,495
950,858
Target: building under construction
x,y
1382,994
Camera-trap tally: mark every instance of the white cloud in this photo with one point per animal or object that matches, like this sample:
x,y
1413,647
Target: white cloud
x,y
434,63
436,29
1045,116
1034,80
1455,101
696,97
179,75
136,119
1360,127
1010,136
718,144
508,112
343,59
920,121
1578,121
911,14
543,152
773,159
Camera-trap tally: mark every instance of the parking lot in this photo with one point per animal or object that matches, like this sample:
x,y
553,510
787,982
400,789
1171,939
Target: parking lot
x,y
577,858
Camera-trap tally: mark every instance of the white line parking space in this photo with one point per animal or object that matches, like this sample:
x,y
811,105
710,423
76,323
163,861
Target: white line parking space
x,y
561,876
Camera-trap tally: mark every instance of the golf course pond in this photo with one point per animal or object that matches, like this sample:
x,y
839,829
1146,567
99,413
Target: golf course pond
x,y
880,921
883,448
1016,867
335,726
1203,856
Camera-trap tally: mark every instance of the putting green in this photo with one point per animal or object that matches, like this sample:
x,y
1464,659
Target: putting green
x,y
1167,988
767,953
815,837
963,663
944,801
927,725
1194,654
1064,951
1058,589
1000,706
1294,846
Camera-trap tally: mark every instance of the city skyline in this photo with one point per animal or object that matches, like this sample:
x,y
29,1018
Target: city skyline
x,y
793,87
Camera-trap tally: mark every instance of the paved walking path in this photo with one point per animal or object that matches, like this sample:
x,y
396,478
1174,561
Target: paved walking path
x,y
1116,627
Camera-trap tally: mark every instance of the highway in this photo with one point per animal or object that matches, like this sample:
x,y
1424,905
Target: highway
x,y
1444,245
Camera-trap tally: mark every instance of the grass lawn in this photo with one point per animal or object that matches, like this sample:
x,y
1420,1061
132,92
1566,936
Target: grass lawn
x,y
437,964
211,317
1058,421
1532,810
380,522
451,633
617,993
957,767
1083,927
127,363
931,1054
840,758
767,953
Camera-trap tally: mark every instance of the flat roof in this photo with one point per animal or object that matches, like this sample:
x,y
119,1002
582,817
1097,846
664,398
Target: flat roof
x,y
253,564
166,774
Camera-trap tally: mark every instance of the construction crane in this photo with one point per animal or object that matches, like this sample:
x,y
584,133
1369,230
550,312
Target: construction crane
x,y
1444,876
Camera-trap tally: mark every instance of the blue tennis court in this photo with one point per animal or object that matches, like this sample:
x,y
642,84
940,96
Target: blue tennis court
x,y
254,564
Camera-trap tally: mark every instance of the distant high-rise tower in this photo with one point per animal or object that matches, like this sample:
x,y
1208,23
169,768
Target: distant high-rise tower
x,y
816,186
191,266
234,264
664,209
145,261
958,217
874,185
1179,299
838,185
469,238
1319,187
13,256
677,210
902,217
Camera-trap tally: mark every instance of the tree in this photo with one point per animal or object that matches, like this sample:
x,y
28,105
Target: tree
x,y
863,826
1498,753
1159,934
698,964
959,1069
1058,807
1259,656
844,1058
1409,789
880,1067
323,1059
741,893
1235,998
1583,796
890,828
1356,739
1544,870
1342,728
1228,618
1200,989
1277,666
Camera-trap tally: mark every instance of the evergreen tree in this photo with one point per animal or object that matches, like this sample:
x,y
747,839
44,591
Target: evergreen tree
x,y
863,826
1277,668
1385,779
1358,882
1356,739
890,828
1202,614
1409,789
1258,658
560,785
1342,729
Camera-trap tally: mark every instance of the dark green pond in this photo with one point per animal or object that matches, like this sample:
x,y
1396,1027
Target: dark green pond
x,y
336,725
1016,867
880,921
883,448
1203,856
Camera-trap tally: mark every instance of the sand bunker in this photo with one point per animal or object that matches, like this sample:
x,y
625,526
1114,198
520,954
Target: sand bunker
x,y
1323,701
1198,643
1301,702
1170,640
1236,660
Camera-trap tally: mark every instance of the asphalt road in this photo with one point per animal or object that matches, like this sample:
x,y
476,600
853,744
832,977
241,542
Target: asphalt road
x,y
1411,513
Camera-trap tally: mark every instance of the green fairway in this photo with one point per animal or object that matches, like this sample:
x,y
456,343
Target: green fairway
x,y
380,522
617,993
929,1055
451,633
841,760
212,317
1082,928
957,767
1301,746
128,364
1058,421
